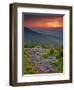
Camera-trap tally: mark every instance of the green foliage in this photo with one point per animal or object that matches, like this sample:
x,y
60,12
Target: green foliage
x,y
58,53
45,46
28,67
45,55
58,65
36,45
49,52
30,45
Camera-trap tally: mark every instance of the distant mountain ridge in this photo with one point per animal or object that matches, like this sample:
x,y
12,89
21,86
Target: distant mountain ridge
x,y
51,32
50,37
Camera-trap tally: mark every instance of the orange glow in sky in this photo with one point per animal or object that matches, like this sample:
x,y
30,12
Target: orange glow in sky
x,y
54,22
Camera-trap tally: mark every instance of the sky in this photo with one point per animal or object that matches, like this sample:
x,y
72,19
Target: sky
x,y
43,21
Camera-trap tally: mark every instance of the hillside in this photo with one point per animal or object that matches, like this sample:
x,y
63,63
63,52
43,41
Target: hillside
x,y
50,37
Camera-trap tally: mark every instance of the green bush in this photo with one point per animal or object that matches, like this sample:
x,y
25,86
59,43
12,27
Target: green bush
x,y
48,53
28,67
36,45
58,53
58,65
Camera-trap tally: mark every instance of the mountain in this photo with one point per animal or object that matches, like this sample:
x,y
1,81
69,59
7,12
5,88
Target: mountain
x,y
48,37
50,32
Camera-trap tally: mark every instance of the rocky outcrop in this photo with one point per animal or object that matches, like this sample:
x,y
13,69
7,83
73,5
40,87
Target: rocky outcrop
x,y
40,65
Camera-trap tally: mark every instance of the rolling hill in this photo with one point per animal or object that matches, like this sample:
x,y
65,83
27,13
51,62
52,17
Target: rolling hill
x,y
38,36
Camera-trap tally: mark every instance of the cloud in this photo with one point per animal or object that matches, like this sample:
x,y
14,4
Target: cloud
x,y
54,22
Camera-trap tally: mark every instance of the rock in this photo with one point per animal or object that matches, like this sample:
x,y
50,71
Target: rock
x,y
38,63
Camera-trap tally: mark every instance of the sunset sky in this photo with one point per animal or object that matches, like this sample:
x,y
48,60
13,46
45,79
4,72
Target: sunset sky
x,y
49,22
